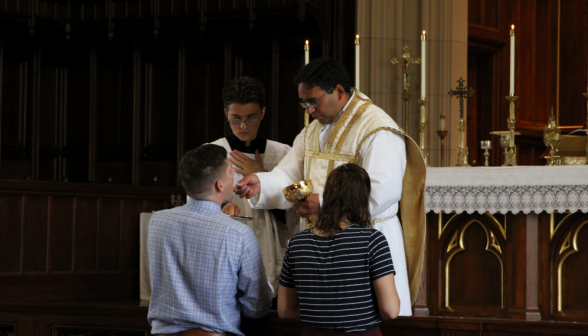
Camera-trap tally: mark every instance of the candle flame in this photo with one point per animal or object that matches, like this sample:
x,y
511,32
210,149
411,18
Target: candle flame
x,y
306,42
424,32
512,27
357,36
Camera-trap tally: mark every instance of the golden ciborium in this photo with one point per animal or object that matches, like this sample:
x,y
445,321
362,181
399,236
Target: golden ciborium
x,y
298,192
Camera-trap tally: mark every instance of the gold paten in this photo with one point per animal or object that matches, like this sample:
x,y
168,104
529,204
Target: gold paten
x,y
298,192
492,245
570,241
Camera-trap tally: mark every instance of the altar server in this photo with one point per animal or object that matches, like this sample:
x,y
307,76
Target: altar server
x,y
349,128
244,102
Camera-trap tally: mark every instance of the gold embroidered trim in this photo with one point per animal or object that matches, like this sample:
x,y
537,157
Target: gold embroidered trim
x,y
346,115
343,137
329,156
372,132
381,220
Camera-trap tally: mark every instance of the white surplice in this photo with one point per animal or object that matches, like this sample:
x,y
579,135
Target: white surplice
x,y
383,156
271,233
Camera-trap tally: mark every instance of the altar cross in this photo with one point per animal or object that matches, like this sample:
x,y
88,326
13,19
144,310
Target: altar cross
x,y
460,93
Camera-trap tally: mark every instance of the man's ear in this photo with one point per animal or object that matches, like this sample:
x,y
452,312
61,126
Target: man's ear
x,y
218,186
262,113
339,90
226,114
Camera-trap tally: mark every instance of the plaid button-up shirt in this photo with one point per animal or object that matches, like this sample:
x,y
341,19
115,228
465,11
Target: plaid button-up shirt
x,y
206,270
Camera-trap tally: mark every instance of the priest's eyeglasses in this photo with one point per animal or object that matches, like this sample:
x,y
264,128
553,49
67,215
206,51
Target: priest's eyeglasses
x,y
312,104
249,121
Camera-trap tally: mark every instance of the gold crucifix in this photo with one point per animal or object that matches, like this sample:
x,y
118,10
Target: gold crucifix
x,y
406,60
460,93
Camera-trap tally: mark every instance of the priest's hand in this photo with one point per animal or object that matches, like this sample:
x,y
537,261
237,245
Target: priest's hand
x,y
248,186
245,165
231,209
309,206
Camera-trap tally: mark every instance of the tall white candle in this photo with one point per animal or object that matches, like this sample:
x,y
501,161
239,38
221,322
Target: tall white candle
x,y
423,64
357,61
512,60
306,53
442,122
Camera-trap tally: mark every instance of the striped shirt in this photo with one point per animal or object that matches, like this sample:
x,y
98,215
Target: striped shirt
x,y
333,277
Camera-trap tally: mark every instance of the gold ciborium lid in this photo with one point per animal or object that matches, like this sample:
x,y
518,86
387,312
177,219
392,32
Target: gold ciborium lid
x,y
298,191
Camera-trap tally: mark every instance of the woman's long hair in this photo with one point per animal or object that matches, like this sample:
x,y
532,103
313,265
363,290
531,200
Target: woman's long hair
x,y
345,199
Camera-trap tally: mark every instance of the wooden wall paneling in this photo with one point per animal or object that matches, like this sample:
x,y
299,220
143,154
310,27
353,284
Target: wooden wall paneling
x,y
137,112
115,112
275,87
11,228
60,234
108,235
35,229
78,107
15,61
158,163
35,83
181,119
93,113
85,233
573,62
129,233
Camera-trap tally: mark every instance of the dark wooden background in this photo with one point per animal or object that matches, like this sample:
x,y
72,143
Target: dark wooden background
x,y
116,91
536,27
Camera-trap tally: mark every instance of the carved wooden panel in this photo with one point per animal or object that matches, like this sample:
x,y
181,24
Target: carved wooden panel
x,y
568,260
472,265
70,242
117,91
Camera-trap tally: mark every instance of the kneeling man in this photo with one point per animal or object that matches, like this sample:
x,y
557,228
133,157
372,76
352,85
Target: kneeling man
x,y
206,268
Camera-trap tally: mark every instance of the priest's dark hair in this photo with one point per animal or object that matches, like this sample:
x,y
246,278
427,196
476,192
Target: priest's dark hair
x,y
243,91
201,167
325,73
345,199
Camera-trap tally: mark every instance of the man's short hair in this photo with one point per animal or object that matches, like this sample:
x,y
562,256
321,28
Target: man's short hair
x,y
243,91
201,167
325,73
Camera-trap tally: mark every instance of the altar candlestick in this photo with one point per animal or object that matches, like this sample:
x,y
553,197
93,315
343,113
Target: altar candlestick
x,y
442,122
423,64
357,61
512,60
306,53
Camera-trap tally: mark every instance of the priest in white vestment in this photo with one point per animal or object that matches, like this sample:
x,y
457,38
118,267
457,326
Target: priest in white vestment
x,y
348,127
244,101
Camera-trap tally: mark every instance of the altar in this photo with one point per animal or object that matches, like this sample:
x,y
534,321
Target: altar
x,y
506,242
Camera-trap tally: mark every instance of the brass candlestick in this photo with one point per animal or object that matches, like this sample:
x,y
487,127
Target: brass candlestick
x,y
586,126
551,137
460,93
511,157
423,130
406,60
442,134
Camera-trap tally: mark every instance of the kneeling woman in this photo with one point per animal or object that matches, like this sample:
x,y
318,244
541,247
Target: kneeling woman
x,y
338,277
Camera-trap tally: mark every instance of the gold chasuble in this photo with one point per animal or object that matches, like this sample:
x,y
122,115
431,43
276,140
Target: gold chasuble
x,y
360,120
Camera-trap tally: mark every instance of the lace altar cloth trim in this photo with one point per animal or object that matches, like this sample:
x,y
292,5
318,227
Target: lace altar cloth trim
x,y
503,189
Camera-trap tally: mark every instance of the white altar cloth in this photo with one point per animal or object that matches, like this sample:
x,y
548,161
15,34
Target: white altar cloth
x,y
503,189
